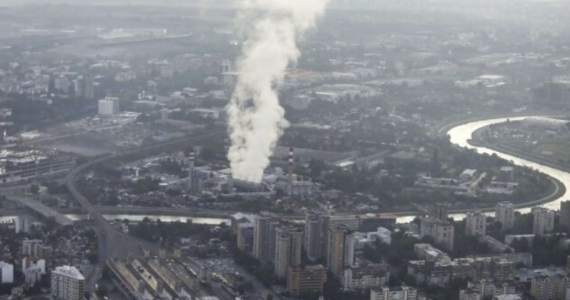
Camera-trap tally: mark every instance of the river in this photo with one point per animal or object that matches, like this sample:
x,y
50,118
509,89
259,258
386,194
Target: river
x,y
459,135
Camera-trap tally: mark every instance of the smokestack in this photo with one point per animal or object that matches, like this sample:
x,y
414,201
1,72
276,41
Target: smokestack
x,y
291,158
190,169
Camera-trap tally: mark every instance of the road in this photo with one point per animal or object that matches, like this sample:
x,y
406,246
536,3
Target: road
x,y
42,209
112,242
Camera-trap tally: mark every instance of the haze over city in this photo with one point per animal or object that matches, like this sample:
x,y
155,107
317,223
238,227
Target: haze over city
x,y
284,150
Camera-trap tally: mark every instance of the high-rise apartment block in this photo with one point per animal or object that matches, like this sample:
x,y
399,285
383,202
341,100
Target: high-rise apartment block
x,y
340,249
288,248
565,214
315,235
89,90
475,224
543,220
505,214
67,283
264,235
317,227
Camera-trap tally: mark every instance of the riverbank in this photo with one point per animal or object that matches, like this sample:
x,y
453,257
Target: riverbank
x,y
446,126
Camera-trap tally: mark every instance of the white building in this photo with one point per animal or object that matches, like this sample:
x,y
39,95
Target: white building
x,y
469,294
382,234
364,278
543,220
109,106
507,297
7,272
403,293
475,224
430,253
32,248
491,80
33,275
468,174
505,214
67,283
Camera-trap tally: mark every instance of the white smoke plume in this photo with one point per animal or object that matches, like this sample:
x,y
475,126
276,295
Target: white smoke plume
x,y
256,120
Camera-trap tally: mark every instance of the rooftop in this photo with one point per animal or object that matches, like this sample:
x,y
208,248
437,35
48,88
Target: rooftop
x,y
69,271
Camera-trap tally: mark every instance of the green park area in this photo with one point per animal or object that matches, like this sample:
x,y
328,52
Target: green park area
x,y
559,151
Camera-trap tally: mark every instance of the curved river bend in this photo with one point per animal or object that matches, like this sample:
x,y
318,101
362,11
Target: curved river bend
x,y
459,135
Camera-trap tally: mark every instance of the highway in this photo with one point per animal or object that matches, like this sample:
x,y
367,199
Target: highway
x,y
112,242
42,209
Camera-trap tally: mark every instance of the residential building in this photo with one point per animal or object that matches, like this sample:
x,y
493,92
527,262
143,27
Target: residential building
x,y
381,235
489,288
543,220
475,224
350,221
62,84
366,277
288,248
245,239
315,235
89,90
507,297
309,279
403,293
442,272
67,283
495,245
6,272
438,212
32,248
79,87
264,235
441,231
430,253
369,222
240,218
109,106
565,214
505,214
340,249
549,287
331,221
469,294
28,262
33,275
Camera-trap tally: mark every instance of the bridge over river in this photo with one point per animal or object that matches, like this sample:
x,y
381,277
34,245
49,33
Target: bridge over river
x,y
43,210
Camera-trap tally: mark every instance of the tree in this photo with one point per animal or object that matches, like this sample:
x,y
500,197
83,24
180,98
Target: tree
x,y
269,297
35,189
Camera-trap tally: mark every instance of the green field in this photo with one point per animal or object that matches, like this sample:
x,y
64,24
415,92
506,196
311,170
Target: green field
x,y
553,150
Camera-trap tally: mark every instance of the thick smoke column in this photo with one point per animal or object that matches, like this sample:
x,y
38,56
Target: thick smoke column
x,y
256,120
